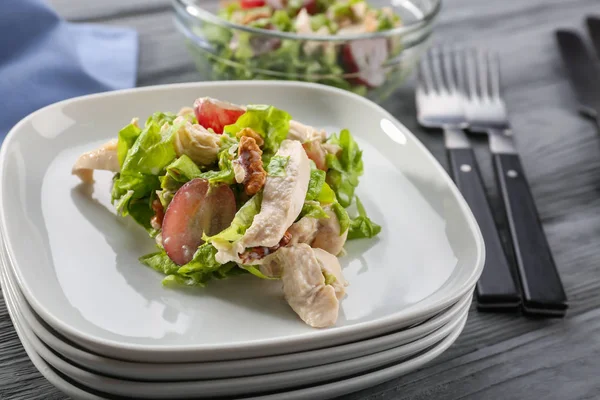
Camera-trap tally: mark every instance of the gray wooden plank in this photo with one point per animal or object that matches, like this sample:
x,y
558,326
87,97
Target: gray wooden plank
x,y
558,362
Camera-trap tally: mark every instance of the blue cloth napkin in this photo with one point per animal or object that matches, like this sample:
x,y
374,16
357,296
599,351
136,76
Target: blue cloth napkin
x,y
44,59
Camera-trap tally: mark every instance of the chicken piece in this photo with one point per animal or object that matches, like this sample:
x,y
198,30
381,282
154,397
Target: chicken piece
x,y
302,23
304,133
103,158
331,268
196,142
248,167
371,23
282,201
328,235
304,231
283,198
359,10
305,287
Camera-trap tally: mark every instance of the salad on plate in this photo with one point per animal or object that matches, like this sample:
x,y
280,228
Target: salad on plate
x,y
227,190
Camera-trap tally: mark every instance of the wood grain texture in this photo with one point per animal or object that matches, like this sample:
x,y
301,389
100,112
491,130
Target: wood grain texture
x,y
497,356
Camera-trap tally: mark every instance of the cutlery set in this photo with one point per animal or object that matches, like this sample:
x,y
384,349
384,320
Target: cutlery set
x,y
460,89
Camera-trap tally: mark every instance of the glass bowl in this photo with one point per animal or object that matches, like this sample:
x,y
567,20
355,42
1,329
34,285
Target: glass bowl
x,y
370,64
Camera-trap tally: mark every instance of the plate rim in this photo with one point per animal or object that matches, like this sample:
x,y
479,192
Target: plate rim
x,y
306,338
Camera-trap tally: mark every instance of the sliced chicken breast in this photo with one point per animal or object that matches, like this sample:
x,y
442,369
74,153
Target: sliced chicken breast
x,y
103,158
330,265
283,197
305,287
304,231
304,133
329,237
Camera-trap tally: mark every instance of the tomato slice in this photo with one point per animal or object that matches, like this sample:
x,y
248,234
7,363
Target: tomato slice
x,y
252,3
195,209
216,114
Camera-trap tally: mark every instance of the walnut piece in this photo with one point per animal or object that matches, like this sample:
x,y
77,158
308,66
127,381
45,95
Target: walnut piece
x,y
257,253
251,133
249,167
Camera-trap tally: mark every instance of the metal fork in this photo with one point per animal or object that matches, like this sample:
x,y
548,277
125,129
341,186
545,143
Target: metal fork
x,y
440,105
541,287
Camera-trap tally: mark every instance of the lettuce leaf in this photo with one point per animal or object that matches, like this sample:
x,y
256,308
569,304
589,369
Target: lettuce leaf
x,y
277,165
312,209
160,118
241,222
342,216
151,152
269,122
315,183
362,226
201,269
344,169
180,171
225,172
127,137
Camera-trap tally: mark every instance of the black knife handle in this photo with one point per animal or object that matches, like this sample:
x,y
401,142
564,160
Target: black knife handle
x,y
496,288
541,287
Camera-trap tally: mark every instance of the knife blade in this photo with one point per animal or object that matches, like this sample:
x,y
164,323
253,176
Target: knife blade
x,y
593,24
583,73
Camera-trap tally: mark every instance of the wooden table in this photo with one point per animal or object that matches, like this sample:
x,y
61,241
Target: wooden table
x,y
497,356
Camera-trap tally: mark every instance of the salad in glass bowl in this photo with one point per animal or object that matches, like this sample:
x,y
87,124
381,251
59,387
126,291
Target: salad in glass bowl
x,y
226,190
368,47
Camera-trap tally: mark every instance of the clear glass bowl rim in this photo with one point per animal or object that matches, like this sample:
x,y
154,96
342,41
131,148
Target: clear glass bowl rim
x,y
193,10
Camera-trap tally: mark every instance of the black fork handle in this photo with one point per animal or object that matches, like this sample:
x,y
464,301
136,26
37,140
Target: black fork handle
x,y
496,287
541,287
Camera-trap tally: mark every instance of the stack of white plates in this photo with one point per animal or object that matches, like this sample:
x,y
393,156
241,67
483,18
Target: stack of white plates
x,y
97,324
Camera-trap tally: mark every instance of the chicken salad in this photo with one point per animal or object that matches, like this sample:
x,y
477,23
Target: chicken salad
x,y
226,190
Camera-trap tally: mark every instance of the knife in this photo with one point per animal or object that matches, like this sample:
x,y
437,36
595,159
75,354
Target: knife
x,y
593,24
583,71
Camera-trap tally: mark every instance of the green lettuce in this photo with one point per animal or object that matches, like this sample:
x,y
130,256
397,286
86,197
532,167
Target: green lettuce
x,y
180,171
160,118
312,209
201,269
269,122
345,168
315,183
241,222
277,165
342,216
225,172
362,226
146,157
127,137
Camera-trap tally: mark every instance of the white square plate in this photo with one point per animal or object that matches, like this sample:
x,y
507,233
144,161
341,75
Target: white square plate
x,y
76,262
